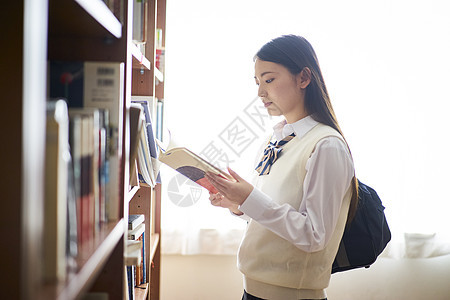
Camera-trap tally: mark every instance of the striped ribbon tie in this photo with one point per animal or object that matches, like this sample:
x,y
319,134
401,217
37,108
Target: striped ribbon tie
x,y
271,154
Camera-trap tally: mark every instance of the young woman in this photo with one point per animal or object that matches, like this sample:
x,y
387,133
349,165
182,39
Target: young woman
x,y
304,188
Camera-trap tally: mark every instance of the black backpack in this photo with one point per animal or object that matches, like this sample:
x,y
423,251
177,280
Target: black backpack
x,y
367,234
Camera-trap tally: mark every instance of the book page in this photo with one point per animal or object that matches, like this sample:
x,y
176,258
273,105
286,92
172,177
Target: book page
x,y
192,166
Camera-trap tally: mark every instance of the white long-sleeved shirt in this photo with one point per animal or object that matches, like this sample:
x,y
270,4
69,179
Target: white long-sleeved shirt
x,y
329,173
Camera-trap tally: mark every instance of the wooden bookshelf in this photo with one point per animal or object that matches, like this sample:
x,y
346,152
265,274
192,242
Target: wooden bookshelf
x,y
35,32
147,80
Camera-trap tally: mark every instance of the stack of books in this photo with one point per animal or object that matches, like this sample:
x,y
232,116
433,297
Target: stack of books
x,y
144,148
82,158
135,254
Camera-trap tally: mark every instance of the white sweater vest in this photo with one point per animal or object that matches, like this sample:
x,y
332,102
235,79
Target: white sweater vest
x,y
274,268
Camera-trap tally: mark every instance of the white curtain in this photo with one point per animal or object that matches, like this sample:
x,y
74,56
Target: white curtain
x,y
386,64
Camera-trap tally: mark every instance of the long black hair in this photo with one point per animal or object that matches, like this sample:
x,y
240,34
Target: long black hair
x,y
295,53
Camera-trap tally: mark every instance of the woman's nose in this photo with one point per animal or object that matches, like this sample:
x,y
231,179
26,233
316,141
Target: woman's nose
x,y
261,92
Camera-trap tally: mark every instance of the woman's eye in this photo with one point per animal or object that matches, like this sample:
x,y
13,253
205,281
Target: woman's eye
x,y
269,80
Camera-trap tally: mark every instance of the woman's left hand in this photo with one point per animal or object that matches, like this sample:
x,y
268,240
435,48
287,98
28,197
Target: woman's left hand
x,y
236,192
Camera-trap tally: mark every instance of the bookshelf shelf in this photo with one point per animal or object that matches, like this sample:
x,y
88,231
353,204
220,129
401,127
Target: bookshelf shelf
x,y
132,192
82,18
100,12
90,261
139,59
159,75
94,254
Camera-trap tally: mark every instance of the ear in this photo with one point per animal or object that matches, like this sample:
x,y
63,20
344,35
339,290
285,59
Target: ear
x,y
304,78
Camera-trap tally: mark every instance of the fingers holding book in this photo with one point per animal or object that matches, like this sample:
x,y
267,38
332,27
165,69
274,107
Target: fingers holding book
x,y
219,200
234,191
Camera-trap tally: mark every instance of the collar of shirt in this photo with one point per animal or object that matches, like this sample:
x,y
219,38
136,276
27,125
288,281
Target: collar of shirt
x,y
301,127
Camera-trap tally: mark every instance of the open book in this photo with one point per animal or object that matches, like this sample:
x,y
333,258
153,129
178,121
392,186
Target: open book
x,y
192,166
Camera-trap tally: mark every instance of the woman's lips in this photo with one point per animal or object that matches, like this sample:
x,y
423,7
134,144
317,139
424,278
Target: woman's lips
x,y
266,104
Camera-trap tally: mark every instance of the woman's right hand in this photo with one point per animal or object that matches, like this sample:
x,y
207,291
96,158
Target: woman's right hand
x,y
221,201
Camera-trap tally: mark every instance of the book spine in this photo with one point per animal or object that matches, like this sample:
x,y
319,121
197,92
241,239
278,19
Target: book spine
x,y
139,268
75,148
72,242
86,184
94,128
101,174
135,234
56,180
103,88
85,151
143,262
130,281
134,221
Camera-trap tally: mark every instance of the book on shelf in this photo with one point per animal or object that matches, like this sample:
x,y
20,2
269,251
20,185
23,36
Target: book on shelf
x,y
160,59
139,266
136,124
160,50
104,83
133,252
75,126
135,255
151,103
132,247
88,147
135,220
131,279
140,14
134,181
149,107
159,38
83,144
72,219
144,160
103,163
56,191
191,165
159,120
144,262
96,85
137,232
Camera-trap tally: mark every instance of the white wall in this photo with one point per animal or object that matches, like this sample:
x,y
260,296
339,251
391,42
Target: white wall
x,y
392,279
200,277
216,277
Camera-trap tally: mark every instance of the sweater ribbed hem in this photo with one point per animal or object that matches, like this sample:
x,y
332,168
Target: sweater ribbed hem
x,y
274,292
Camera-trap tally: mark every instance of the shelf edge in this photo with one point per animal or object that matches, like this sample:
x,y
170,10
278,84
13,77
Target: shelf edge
x,y
154,241
137,54
132,192
94,263
100,12
159,75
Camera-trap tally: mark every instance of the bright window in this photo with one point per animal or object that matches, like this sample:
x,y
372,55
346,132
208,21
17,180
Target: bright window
x,y
386,66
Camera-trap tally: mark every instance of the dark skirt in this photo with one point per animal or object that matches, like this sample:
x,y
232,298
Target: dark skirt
x,y
247,296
